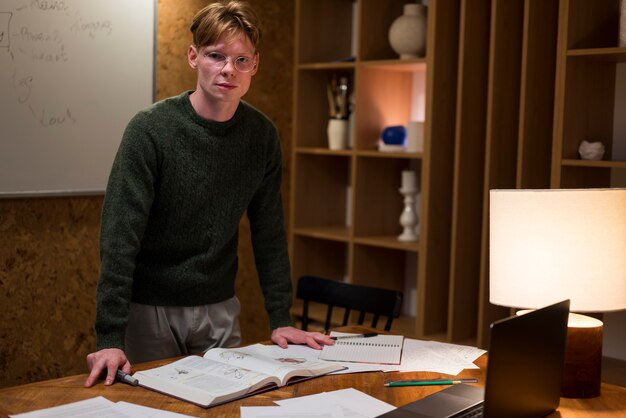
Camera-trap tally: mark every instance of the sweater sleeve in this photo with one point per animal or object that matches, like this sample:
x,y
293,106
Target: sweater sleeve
x,y
269,240
125,212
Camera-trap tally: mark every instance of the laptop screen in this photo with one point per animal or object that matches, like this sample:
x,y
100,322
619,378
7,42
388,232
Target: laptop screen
x,y
526,359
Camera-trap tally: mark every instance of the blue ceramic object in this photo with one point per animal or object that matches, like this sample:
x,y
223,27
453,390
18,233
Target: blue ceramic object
x,y
394,135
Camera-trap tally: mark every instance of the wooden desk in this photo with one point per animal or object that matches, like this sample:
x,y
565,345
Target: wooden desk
x,y
612,402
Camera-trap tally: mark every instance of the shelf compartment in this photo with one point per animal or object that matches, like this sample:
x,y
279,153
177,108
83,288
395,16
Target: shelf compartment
x,y
377,202
324,31
587,105
591,23
382,100
312,108
380,267
319,257
376,19
325,180
573,177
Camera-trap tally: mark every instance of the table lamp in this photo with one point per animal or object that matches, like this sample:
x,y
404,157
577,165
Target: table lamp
x,y
550,245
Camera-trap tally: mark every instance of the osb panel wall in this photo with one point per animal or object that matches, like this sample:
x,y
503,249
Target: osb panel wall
x,y
49,246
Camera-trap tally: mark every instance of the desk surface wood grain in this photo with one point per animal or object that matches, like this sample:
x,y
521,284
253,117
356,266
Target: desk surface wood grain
x,y
611,403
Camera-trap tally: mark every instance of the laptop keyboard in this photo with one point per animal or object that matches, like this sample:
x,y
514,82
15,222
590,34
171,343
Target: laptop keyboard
x,y
473,413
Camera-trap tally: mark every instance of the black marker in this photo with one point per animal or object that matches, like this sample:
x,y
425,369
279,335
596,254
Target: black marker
x,y
124,377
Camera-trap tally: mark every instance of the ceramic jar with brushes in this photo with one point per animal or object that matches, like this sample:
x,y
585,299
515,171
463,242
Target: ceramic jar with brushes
x,y
339,111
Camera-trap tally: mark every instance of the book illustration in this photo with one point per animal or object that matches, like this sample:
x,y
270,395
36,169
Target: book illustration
x,y
232,355
292,360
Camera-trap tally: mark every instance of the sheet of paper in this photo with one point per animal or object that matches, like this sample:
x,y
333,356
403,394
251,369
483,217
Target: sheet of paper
x,y
140,411
353,403
287,412
100,407
95,407
438,357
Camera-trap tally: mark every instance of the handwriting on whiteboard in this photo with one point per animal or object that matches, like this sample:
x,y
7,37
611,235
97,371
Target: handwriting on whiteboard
x,y
28,44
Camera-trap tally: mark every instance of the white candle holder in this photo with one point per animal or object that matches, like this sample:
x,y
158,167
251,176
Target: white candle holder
x,y
409,219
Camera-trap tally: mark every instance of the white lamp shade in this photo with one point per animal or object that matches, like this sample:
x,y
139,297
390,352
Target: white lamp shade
x,y
550,245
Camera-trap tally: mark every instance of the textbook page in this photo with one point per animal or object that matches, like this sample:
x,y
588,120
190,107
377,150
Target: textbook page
x,y
284,367
383,349
202,381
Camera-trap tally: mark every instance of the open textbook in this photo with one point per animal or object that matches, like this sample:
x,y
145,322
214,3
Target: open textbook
x,y
222,375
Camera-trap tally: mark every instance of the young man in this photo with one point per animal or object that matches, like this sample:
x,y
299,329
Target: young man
x,y
187,170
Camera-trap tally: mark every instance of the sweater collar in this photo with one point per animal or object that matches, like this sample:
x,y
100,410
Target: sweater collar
x,y
215,126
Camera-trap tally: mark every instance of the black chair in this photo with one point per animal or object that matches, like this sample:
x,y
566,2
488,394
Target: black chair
x,y
351,297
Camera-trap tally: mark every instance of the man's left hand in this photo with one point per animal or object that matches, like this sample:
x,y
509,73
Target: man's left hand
x,y
285,335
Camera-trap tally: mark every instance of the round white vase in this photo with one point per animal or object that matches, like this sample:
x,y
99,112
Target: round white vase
x,y
407,34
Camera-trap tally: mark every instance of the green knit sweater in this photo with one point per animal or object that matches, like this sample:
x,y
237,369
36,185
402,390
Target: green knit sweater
x,y
178,188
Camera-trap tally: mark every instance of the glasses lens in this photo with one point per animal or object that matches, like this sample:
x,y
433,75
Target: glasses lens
x,y
244,64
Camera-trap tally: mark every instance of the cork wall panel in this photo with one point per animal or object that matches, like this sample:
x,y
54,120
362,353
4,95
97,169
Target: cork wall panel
x,y
48,272
49,246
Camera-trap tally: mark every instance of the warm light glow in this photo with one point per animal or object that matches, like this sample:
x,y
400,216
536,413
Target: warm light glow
x,y
550,245
574,320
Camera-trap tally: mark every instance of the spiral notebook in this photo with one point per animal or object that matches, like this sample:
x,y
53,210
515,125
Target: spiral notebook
x,y
381,349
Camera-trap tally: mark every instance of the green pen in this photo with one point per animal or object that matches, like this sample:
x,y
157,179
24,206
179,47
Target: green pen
x,y
428,382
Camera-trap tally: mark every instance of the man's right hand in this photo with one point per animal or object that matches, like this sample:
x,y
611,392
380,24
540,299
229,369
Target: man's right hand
x,y
109,359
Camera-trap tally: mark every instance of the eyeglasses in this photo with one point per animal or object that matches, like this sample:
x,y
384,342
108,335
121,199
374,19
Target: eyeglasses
x,y
243,64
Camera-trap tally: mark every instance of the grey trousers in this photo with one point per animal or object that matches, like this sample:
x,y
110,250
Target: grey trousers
x,y
157,332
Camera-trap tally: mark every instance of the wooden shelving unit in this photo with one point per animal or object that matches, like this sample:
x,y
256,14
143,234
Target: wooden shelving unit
x,y
345,204
489,76
587,57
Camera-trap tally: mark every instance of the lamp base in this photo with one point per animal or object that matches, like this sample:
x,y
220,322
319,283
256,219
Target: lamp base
x,y
583,357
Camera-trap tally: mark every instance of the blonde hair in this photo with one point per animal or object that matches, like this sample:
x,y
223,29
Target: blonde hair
x,y
225,17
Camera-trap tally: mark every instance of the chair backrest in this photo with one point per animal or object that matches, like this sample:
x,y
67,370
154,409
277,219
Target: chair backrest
x,y
351,297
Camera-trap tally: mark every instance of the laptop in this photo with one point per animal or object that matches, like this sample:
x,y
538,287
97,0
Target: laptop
x,y
524,373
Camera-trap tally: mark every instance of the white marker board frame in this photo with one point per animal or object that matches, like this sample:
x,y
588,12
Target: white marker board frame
x,y
72,74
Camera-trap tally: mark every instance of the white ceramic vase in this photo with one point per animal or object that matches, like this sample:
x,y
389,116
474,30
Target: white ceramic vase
x,y
338,134
407,34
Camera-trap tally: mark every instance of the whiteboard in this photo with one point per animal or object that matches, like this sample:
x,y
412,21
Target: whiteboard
x,y
72,74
